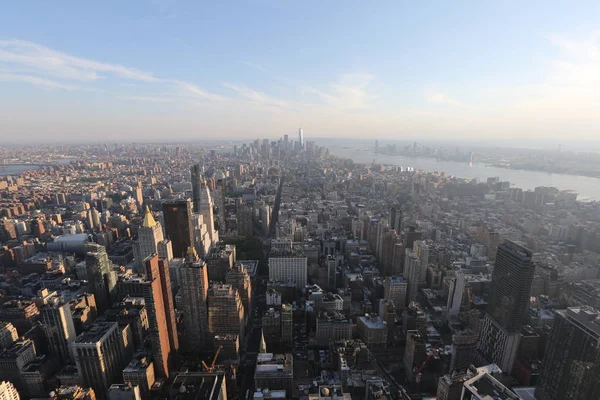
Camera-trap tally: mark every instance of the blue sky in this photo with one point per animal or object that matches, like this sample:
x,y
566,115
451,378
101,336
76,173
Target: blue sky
x,y
148,70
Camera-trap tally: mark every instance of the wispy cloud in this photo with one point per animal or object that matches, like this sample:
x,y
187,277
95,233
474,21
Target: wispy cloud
x,y
254,95
40,60
148,99
435,96
37,81
192,90
350,92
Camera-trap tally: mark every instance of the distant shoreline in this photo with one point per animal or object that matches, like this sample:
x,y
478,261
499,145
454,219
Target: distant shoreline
x,y
19,165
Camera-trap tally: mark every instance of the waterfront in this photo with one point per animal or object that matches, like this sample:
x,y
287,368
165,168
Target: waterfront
x,y
588,188
15,169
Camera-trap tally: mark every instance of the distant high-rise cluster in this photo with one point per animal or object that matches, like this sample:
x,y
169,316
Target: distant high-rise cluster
x,y
272,269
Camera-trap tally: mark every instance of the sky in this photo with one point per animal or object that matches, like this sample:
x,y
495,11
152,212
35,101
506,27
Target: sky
x,y
166,70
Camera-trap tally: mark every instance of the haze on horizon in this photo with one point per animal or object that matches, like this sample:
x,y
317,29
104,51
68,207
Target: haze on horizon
x,y
171,70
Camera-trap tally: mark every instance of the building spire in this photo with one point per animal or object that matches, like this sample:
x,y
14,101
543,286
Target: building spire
x,y
149,221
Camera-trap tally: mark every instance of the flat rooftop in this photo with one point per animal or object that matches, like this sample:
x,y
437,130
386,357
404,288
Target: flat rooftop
x,y
486,387
96,332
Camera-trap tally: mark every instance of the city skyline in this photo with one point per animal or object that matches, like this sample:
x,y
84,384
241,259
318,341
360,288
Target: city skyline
x,y
191,71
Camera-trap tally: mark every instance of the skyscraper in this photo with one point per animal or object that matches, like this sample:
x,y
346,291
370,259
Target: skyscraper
x,y
149,235
225,311
206,209
58,326
8,391
194,294
464,349
301,138
196,176
455,295
412,273
396,218
394,289
178,225
151,290
571,365
507,306
101,353
100,274
238,278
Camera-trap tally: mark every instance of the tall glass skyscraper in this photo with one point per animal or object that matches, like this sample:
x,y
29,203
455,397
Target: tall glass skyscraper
x,y
178,225
571,364
196,176
507,305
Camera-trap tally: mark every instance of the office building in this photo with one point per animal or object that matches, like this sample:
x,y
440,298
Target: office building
x,y
508,305
464,349
571,364
265,218
333,326
199,385
140,373
230,349
194,295
287,324
421,250
485,387
169,304
220,260
450,386
57,320
238,278
8,391
245,225
120,391
396,218
207,211
301,138
394,289
275,371
100,274
414,353
151,290
14,359
412,273
101,353
372,330
455,295
225,311
288,266
149,235
177,215
196,177
8,334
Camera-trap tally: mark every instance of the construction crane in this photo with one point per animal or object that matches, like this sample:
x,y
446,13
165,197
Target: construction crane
x,y
470,298
433,354
212,365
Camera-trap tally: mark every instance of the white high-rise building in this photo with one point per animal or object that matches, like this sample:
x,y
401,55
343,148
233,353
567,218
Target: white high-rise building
x,y
206,209
101,353
8,391
422,252
301,137
288,267
456,294
394,289
149,235
412,273
57,321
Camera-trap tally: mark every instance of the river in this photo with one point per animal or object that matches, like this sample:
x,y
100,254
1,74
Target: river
x,y
588,188
15,169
